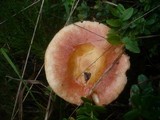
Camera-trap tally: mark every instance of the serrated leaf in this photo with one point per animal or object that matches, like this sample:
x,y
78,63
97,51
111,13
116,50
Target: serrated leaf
x,y
114,22
131,44
127,14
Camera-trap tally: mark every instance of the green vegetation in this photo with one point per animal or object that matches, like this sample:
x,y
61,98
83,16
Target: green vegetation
x,y
26,27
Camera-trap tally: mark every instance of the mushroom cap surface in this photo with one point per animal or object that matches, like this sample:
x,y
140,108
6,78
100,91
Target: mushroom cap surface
x,y
79,62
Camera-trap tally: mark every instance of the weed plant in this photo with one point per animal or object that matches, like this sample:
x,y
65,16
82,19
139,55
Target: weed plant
x,y
26,28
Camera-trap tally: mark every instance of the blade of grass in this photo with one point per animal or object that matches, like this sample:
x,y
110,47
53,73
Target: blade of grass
x,y
140,17
20,11
72,10
10,62
34,80
21,80
16,71
27,57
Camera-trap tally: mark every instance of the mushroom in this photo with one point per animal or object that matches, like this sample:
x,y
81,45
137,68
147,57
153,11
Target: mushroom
x,y
79,62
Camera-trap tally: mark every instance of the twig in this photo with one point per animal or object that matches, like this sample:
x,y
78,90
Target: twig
x,y
72,10
20,97
89,31
148,36
28,81
48,107
106,72
110,3
34,80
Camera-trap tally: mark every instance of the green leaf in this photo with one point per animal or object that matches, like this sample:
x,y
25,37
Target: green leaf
x,y
142,78
81,110
67,4
99,109
136,101
150,21
114,38
134,90
131,44
83,10
127,14
82,117
142,82
114,12
3,51
132,115
120,8
86,100
114,22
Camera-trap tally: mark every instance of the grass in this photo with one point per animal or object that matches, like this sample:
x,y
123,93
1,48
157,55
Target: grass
x,y
26,28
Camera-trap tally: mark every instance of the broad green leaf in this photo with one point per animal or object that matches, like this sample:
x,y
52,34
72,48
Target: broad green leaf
x,y
150,107
114,38
115,12
82,117
86,100
127,14
136,100
83,10
81,110
65,119
132,115
99,108
142,1
142,78
147,88
142,81
150,21
121,8
147,101
134,90
67,4
114,22
86,118
131,44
